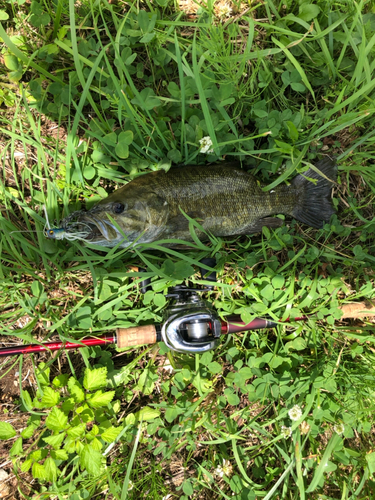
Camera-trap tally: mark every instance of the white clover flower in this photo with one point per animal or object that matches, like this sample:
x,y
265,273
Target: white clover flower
x,y
225,470
286,431
167,367
339,428
223,9
206,144
295,413
304,427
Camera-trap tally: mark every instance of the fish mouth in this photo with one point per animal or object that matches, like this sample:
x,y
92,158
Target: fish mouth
x,y
98,230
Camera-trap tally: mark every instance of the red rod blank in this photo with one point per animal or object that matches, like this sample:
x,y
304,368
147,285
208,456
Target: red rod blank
x,y
55,346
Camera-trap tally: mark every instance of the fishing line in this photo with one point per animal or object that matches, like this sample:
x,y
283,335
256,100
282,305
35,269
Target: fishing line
x,y
28,231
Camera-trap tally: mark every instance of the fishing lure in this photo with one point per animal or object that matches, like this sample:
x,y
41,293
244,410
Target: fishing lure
x,y
71,233
68,230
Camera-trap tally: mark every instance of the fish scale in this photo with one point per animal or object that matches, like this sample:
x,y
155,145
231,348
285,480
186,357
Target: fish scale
x,y
218,194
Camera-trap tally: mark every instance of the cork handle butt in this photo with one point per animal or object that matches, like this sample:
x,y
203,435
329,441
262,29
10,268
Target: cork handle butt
x,y
358,310
138,335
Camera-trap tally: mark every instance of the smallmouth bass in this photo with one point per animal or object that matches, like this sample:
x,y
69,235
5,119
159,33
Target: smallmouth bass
x,y
225,200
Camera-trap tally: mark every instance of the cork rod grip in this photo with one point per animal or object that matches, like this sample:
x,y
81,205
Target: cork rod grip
x,y
138,335
358,310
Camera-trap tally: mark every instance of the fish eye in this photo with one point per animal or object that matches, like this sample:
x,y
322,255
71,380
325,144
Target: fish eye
x,y
51,232
118,208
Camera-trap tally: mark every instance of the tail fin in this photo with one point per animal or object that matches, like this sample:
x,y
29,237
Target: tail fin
x,y
314,206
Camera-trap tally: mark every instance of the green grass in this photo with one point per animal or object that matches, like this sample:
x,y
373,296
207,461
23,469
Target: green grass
x,y
93,96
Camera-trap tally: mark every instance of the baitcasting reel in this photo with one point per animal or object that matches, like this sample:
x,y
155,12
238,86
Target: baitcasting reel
x,y
191,325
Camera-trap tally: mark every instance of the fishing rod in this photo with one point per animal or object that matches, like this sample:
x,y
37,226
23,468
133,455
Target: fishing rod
x,y
192,325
